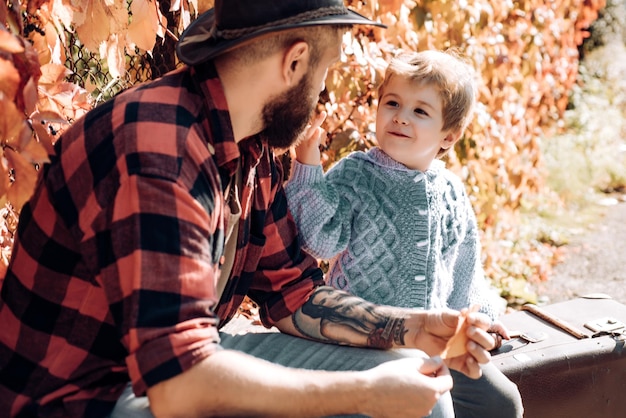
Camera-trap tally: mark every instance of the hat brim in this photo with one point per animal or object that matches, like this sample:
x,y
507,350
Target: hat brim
x,y
196,44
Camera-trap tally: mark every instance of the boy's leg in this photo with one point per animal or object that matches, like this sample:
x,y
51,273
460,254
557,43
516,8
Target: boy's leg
x,y
294,352
491,396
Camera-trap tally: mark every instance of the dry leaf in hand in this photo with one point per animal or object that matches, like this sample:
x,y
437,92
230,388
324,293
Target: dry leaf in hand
x,y
457,345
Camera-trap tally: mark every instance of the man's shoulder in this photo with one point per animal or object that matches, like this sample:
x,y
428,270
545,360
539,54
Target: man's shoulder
x,y
175,88
147,126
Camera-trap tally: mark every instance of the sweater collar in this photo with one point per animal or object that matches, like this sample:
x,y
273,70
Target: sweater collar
x,y
379,157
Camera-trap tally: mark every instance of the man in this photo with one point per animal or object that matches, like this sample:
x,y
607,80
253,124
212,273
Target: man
x,y
162,209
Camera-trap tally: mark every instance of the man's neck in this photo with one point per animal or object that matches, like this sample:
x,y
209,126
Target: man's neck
x,y
246,91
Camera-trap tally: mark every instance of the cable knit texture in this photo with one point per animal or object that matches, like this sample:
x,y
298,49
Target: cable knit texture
x,y
394,236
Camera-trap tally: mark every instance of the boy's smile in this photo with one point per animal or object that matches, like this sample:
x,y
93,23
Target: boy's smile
x,y
409,122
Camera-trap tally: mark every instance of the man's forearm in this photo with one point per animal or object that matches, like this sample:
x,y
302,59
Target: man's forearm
x,y
230,383
334,316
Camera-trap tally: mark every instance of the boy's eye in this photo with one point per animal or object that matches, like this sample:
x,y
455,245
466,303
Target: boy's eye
x,y
392,103
420,111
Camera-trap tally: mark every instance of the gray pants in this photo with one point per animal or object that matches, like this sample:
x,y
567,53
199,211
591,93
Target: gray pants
x,y
491,396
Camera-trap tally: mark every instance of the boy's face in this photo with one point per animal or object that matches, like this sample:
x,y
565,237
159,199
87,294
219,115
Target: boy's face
x,y
409,123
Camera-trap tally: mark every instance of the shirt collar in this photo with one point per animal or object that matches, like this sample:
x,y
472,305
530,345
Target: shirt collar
x,y
220,130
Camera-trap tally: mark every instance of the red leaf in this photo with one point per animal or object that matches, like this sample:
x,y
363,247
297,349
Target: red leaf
x,y
11,121
9,42
9,79
25,178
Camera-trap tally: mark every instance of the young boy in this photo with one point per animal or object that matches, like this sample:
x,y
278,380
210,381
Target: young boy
x,y
397,225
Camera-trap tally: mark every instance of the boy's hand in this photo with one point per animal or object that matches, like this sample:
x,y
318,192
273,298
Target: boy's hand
x,y
308,147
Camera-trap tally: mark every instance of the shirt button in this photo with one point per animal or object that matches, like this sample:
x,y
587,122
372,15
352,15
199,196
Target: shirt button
x,y
420,278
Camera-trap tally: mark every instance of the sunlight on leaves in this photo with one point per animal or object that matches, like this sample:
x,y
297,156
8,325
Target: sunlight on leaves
x,y
144,26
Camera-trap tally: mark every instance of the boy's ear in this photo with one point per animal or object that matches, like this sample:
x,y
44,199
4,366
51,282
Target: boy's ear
x,y
295,62
450,139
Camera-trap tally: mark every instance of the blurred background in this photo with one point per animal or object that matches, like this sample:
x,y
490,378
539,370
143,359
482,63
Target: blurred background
x,y
542,160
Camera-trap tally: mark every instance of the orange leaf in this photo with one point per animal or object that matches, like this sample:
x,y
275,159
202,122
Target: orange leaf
x,y
204,5
9,42
33,5
142,30
25,179
388,6
48,116
4,181
53,73
24,137
9,79
11,121
65,98
94,23
457,345
44,122
45,139
114,51
27,65
35,152
40,43
30,96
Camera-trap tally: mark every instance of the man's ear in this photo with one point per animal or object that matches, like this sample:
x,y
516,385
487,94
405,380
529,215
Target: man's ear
x,y
295,62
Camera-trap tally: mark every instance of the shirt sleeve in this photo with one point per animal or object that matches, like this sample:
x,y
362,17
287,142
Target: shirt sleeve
x,y
322,215
162,280
285,275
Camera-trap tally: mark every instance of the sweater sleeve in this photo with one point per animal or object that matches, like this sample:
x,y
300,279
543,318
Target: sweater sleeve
x,y
322,215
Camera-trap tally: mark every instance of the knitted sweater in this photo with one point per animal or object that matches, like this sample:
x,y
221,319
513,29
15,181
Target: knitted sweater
x,y
395,236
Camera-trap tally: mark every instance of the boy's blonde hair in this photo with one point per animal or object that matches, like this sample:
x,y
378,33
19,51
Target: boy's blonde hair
x,y
450,73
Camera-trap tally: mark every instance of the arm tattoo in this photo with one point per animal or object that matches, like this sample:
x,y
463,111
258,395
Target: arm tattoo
x,y
334,316
384,337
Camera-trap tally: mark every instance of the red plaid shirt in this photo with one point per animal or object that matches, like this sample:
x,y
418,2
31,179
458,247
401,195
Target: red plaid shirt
x,y
115,263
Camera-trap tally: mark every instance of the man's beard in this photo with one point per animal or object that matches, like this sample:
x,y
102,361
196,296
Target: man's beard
x,y
286,115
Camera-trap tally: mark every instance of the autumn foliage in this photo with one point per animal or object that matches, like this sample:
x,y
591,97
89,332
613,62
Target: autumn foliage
x,y
526,52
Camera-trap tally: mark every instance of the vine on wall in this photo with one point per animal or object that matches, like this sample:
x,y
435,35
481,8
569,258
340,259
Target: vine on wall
x,y
526,52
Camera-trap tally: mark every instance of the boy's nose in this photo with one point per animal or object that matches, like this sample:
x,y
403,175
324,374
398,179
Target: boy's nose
x,y
399,119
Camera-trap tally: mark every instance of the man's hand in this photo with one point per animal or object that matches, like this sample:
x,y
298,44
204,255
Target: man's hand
x,y
498,332
307,150
412,387
440,326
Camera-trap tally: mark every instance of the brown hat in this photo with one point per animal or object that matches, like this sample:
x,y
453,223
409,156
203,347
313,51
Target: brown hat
x,y
232,22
